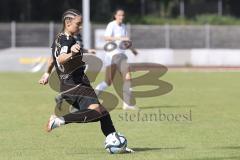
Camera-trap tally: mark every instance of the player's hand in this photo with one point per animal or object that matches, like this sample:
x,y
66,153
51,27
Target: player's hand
x,y
44,79
75,48
93,51
134,51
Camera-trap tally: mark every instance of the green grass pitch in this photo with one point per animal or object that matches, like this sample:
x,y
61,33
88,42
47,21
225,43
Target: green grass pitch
x,y
210,130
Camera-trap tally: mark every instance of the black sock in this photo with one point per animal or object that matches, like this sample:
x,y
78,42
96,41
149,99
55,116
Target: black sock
x,y
82,116
90,115
107,124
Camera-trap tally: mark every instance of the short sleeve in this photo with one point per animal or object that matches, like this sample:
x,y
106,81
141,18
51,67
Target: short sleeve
x,y
65,44
109,30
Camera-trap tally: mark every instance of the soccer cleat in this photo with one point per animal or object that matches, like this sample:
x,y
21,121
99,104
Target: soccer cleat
x,y
52,123
128,150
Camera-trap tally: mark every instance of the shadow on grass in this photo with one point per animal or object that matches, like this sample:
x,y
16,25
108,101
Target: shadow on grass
x,y
168,106
155,149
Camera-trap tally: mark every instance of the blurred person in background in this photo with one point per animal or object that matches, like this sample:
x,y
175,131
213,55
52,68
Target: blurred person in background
x,y
116,59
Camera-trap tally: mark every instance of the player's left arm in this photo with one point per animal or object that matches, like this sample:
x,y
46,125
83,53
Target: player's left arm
x,y
127,38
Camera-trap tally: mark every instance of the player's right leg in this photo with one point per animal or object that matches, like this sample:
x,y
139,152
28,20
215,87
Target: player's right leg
x,y
109,75
127,89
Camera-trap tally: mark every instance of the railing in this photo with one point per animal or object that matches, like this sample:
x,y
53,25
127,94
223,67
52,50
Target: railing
x,y
143,36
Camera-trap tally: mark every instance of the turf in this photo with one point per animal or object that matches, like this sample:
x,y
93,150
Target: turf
x,y
209,131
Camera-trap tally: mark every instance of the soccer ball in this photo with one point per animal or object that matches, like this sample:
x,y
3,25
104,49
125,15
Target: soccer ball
x,y
115,143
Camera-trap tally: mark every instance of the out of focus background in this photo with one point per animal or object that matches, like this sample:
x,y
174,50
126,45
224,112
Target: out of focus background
x,y
197,40
176,33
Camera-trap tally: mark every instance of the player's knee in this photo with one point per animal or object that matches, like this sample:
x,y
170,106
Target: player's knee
x,y
97,107
128,76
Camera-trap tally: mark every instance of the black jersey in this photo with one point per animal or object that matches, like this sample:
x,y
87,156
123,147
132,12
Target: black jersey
x,y
71,72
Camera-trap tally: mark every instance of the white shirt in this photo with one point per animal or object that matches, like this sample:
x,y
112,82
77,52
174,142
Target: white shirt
x,y
115,30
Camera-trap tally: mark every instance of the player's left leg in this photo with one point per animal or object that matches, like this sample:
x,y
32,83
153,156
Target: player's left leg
x,y
127,90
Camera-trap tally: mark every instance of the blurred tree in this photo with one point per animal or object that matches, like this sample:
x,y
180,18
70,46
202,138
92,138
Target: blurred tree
x,y
143,6
197,7
167,8
101,10
234,7
4,10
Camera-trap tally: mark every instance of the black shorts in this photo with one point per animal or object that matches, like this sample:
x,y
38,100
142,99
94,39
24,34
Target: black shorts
x,y
80,102
81,95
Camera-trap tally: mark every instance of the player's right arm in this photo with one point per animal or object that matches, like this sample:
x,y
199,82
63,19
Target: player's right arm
x,y
65,56
44,79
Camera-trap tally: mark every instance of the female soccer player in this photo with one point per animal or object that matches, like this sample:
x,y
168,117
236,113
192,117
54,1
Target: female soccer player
x,y
116,59
75,87
50,64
